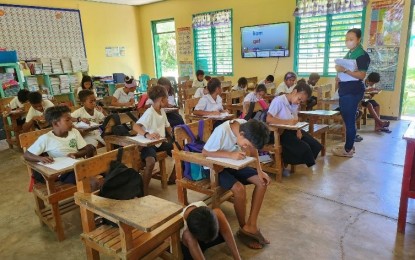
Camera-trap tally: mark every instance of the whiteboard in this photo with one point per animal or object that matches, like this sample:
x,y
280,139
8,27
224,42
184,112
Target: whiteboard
x,y
41,32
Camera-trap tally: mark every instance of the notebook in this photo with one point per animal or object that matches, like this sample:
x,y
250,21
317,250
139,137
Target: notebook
x,y
60,163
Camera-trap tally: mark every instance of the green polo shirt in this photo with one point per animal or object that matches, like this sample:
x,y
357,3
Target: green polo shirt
x,y
361,57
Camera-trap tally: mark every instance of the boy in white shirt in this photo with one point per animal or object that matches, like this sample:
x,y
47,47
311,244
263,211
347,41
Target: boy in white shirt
x,y
153,124
199,82
237,139
268,82
88,113
242,84
203,228
34,117
298,146
253,97
61,141
125,96
200,92
287,86
210,104
18,102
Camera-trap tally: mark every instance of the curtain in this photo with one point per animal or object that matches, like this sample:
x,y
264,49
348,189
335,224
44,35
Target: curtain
x,y
307,8
212,19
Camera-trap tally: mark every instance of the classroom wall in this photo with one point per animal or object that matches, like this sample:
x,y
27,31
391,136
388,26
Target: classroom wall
x,y
103,25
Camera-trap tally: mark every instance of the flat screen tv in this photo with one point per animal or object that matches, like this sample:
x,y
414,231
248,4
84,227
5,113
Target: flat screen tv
x,y
265,40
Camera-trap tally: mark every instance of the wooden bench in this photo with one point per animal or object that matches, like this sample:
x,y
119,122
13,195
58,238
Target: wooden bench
x,y
147,227
10,127
252,82
53,198
189,105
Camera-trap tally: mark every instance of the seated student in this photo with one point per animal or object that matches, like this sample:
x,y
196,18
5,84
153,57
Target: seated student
x,y
153,124
210,104
298,146
226,141
62,141
199,82
89,112
373,106
268,82
207,78
125,96
34,117
18,103
242,84
255,96
287,86
312,81
204,228
86,83
200,92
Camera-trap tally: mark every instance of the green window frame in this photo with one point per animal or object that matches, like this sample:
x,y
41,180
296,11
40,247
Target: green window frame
x,y
319,40
158,29
213,44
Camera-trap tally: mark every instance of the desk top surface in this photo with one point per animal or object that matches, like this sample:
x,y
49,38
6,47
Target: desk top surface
x,y
226,163
228,117
125,140
119,108
319,113
47,172
299,125
410,132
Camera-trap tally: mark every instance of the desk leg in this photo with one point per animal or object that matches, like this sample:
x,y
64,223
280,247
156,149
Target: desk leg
x,y
278,156
406,185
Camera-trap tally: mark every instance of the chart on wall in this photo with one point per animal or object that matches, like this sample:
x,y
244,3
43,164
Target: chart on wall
x,y
41,32
384,40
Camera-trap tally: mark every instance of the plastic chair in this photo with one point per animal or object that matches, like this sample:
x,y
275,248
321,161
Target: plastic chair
x,y
143,82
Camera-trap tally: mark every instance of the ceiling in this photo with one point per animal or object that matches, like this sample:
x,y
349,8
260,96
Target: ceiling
x,y
127,2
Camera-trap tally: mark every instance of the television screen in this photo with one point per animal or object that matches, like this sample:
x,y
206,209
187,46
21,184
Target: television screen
x,y
265,41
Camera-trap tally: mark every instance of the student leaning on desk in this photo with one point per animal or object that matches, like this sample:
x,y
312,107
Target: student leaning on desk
x,y
34,117
124,97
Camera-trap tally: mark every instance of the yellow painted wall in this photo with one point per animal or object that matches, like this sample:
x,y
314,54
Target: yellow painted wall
x,y
103,25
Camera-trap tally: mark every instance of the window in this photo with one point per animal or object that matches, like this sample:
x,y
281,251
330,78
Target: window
x,y
212,34
320,40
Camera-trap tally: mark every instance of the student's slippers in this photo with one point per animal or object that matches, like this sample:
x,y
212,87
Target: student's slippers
x,y
358,138
257,236
386,124
385,130
248,241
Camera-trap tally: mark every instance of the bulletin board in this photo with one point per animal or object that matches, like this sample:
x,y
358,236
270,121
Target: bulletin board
x,y
41,32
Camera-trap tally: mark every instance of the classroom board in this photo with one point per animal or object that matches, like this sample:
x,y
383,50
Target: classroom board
x,y
41,32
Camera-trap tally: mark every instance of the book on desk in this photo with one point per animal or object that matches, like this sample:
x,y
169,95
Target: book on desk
x,y
299,125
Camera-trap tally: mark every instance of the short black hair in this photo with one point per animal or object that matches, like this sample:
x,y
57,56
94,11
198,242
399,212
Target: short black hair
x,y
373,77
53,114
261,87
165,82
84,94
256,132
242,81
356,31
86,78
207,77
203,224
200,72
35,98
270,78
314,76
156,91
302,86
301,81
23,95
289,75
213,84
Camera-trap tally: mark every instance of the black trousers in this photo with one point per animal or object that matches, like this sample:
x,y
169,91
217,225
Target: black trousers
x,y
296,151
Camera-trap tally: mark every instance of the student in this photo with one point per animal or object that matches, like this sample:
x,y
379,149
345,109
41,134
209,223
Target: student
x,y
199,82
204,228
242,84
298,146
210,104
125,96
153,124
200,92
86,83
268,82
62,141
312,82
237,139
372,106
34,117
254,96
287,86
89,112
207,78
18,102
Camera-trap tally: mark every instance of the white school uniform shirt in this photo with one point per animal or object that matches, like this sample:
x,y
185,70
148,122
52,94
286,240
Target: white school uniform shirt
x,y
199,93
237,88
80,89
195,204
199,84
92,137
33,112
222,138
154,122
123,97
207,103
15,103
251,97
281,108
58,146
170,99
284,88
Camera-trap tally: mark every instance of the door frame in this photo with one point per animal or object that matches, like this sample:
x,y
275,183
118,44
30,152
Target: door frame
x,y
156,50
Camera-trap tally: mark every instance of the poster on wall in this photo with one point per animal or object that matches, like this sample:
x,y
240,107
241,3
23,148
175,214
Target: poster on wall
x,y
186,68
384,60
184,43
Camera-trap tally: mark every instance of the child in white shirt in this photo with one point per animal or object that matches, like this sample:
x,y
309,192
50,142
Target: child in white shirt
x,y
242,84
18,102
125,96
153,124
268,82
253,97
199,82
88,113
86,83
61,141
210,104
287,86
34,117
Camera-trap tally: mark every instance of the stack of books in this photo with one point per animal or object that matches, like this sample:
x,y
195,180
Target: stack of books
x,y
66,65
76,65
32,84
56,66
73,81
64,84
45,65
84,65
55,85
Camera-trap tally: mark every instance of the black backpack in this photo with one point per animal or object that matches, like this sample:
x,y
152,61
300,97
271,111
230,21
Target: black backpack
x,y
259,115
118,128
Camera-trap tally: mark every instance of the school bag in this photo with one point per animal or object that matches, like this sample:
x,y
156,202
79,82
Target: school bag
x,y
121,182
194,171
118,128
259,115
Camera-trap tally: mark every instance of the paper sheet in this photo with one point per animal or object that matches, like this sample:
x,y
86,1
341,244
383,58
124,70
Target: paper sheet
x,y
60,163
222,115
347,64
236,163
141,139
299,125
84,125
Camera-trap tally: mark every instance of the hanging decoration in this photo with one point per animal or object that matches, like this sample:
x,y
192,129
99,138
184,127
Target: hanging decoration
x,y
307,8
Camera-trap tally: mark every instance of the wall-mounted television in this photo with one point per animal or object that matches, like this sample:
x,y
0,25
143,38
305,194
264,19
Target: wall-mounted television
x,y
265,40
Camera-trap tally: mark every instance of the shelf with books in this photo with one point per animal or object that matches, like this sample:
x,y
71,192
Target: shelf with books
x,y
11,79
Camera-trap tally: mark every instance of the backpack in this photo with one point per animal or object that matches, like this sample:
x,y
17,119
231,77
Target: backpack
x,y
192,171
118,128
259,115
121,183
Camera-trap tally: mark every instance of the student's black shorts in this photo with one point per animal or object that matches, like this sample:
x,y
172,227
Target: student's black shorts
x,y
228,177
371,101
20,121
203,246
152,150
65,178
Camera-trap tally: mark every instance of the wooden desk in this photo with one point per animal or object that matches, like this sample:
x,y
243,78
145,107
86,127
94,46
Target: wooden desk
x,y
269,97
234,108
408,179
117,109
314,115
171,109
112,140
193,117
13,115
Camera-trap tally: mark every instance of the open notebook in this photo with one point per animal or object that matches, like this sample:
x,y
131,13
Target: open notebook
x,y
299,125
83,125
236,163
60,163
141,139
222,115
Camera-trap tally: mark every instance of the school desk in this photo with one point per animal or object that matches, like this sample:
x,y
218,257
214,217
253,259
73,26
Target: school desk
x,y
118,109
13,115
193,117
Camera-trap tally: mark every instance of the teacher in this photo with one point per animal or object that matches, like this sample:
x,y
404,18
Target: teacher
x,y
351,92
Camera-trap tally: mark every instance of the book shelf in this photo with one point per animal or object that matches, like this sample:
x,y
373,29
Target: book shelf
x,y
15,66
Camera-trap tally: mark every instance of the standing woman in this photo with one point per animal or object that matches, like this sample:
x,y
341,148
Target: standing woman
x,y
351,92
